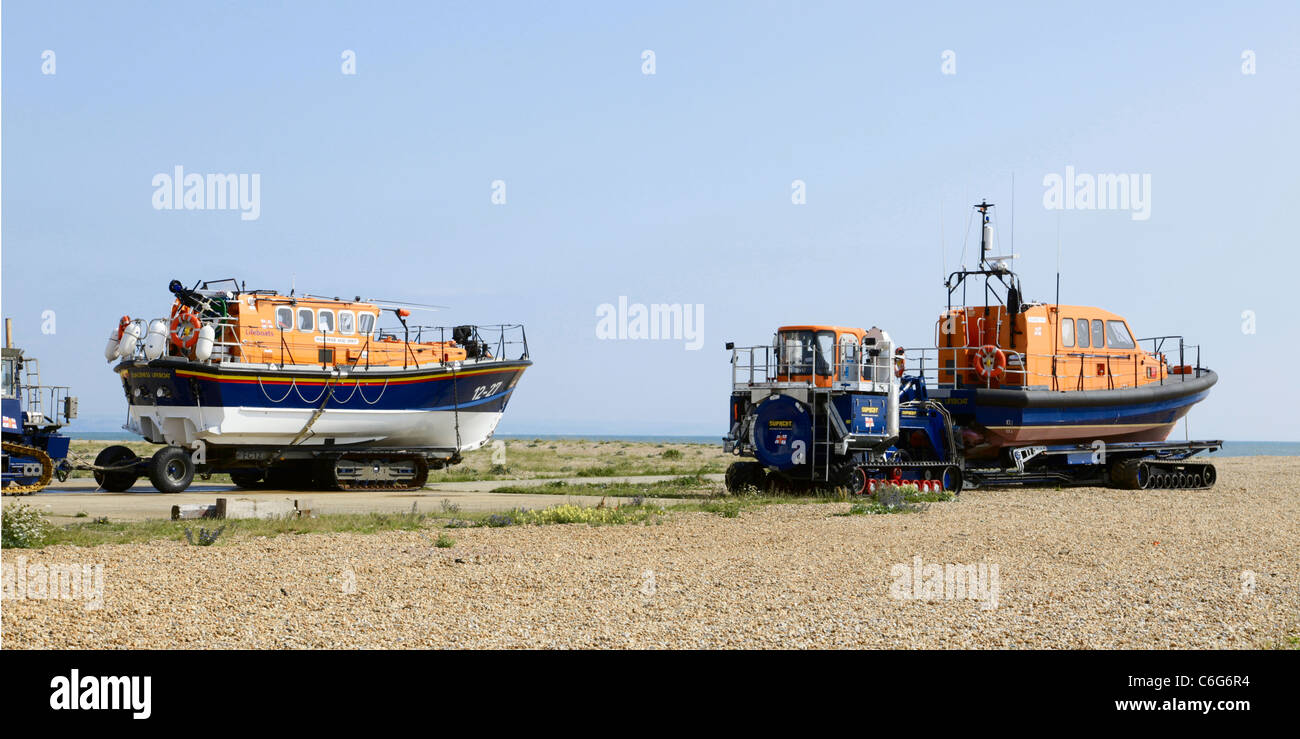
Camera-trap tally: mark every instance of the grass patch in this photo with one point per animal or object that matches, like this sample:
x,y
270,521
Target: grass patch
x,y
130,532
684,486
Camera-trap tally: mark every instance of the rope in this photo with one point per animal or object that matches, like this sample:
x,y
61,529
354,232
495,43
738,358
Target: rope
x,y
455,399
381,393
292,382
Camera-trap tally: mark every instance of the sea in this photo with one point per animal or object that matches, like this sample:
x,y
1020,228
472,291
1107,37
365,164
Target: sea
x,y
1230,448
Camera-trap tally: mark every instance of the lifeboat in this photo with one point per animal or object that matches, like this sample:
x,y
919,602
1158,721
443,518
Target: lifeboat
x,y
1014,372
253,382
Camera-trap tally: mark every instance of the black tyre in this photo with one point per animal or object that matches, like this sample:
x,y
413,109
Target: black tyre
x,y
118,481
741,476
171,470
246,478
850,477
952,479
1208,475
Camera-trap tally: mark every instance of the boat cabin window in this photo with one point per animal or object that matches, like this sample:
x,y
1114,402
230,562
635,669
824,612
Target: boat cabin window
x,y
347,322
1067,332
1083,333
284,318
9,391
803,352
366,322
1118,336
326,321
306,319
1098,334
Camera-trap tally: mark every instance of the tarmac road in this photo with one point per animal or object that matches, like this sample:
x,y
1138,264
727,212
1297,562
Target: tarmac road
x,y
62,501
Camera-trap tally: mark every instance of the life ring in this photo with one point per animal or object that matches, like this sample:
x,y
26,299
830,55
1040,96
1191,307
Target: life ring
x,y
900,362
121,326
990,362
185,329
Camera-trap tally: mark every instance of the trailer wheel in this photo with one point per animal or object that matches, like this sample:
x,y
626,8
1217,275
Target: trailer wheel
x,y
118,481
246,478
1208,475
171,470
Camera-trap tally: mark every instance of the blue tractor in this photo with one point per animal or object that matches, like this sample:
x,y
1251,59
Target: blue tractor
x,y
34,450
828,406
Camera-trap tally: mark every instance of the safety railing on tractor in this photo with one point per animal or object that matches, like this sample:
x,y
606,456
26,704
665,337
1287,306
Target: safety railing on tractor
x,y
755,366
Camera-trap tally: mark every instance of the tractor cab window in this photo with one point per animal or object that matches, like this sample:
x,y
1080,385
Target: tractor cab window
x,y
9,390
846,360
1118,336
805,352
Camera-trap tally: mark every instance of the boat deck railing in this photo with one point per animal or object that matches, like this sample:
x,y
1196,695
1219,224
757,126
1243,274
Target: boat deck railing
x,y
496,342
851,366
1071,370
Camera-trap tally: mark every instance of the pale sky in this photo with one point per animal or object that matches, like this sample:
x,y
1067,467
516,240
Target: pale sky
x,y
673,187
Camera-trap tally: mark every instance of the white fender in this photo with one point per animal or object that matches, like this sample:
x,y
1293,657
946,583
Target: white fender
x,y
110,351
131,336
203,347
155,343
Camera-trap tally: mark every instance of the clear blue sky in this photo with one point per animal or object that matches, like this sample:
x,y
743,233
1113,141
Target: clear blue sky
x,y
671,188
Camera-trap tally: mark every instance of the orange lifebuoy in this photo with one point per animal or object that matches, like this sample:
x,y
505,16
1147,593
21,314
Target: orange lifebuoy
x,y
990,362
185,329
900,362
121,326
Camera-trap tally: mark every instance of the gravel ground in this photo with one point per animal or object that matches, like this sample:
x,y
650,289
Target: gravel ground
x,y
1077,568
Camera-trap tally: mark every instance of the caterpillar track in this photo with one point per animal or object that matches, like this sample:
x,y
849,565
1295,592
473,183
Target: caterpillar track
x,y
362,471
47,468
1150,474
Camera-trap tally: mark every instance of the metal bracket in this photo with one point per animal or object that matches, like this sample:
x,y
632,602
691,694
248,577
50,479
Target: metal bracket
x,y
1021,455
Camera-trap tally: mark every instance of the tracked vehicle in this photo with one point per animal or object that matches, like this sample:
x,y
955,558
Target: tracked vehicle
x,y
35,452
1015,392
